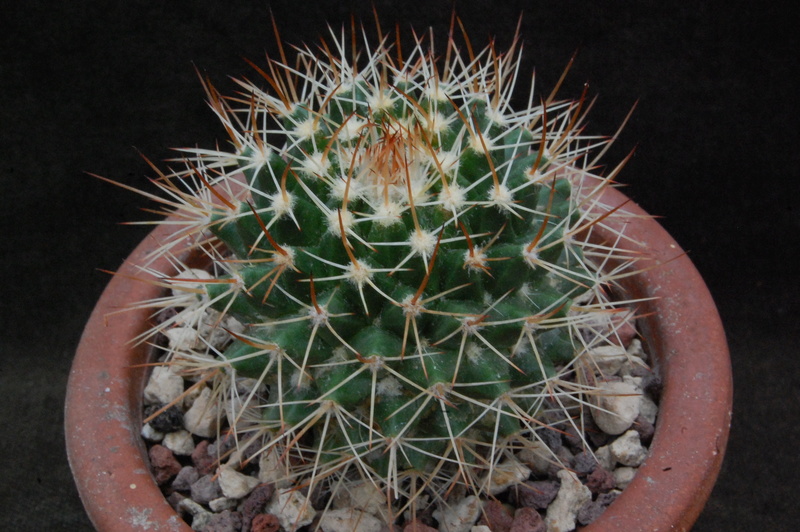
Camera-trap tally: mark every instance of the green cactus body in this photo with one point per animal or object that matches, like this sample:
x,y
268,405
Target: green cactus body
x,y
406,252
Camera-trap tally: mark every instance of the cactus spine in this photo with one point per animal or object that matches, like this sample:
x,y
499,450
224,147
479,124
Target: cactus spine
x,y
398,260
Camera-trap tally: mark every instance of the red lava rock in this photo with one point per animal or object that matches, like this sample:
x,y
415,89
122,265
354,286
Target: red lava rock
x,y
265,523
600,480
527,520
597,437
174,499
496,517
255,503
537,494
583,463
572,437
187,476
417,526
551,438
594,509
202,460
164,464
205,489
645,430
652,386
562,456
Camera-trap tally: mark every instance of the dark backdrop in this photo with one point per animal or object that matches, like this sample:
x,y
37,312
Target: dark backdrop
x,y
85,84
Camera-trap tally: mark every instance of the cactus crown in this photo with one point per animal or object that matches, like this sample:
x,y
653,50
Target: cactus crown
x,y
398,260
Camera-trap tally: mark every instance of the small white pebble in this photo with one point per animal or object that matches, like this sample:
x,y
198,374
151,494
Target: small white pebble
x,y
623,476
504,475
234,484
179,442
271,470
635,349
537,456
628,450
222,504
608,359
182,338
182,287
291,508
563,511
201,419
604,458
200,516
163,386
151,434
362,496
617,406
349,520
634,381
648,409
459,518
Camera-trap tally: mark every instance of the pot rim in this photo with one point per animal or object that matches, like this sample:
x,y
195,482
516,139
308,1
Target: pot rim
x,y
104,395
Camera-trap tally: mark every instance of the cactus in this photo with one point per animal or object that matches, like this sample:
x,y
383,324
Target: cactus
x,y
398,264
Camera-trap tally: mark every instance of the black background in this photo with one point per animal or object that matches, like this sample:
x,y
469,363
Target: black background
x,y
85,84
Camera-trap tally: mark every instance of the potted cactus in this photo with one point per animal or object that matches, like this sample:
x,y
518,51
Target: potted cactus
x,y
389,277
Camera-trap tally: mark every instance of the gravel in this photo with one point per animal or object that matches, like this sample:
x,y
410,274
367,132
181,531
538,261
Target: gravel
x,y
564,480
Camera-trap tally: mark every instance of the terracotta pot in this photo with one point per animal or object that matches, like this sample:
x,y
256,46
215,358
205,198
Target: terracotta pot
x,y
682,329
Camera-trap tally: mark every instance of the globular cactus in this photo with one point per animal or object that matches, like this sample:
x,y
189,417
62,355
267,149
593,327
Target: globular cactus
x,y
409,258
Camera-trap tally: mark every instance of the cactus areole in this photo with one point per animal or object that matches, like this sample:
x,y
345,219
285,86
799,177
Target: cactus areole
x,y
403,265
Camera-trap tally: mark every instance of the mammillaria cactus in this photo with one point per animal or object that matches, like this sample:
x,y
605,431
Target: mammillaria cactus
x,y
397,264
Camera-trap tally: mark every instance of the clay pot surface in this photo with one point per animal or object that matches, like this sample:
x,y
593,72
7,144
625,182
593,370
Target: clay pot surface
x,y
681,328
